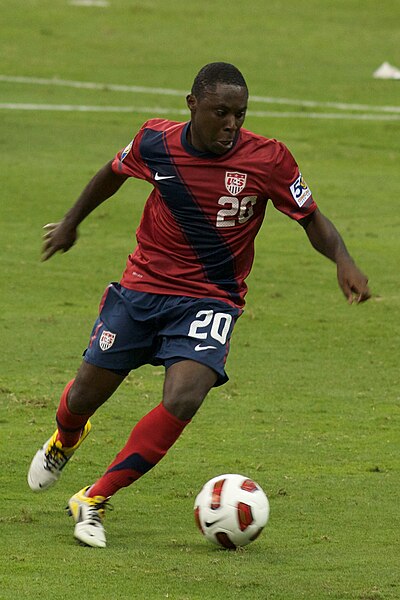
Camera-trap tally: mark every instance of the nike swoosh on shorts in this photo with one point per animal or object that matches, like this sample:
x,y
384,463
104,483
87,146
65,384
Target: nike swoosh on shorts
x,y
200,347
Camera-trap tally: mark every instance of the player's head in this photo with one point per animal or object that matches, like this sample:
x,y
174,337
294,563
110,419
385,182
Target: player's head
x,y
210,75
218,103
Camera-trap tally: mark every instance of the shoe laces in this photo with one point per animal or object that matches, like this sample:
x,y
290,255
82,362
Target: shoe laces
x,y
55,459
96,511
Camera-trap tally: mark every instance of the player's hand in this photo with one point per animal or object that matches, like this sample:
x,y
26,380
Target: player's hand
x,y
353,282
57,237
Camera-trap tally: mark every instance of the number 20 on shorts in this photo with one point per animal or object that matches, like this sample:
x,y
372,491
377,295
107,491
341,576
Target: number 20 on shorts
x,y
217,324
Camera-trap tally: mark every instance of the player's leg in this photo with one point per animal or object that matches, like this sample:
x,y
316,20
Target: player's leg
x,y
92,387
186,385
187,382
79,400
95,382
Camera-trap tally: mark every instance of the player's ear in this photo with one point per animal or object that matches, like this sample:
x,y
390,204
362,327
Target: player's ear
x,y
191,102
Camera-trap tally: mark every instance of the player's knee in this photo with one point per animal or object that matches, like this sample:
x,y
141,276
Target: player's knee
x,y
84,398
186,385
80,398
91,388
183,405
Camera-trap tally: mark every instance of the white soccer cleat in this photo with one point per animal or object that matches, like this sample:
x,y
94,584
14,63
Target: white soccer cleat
x,y
88,514
49,461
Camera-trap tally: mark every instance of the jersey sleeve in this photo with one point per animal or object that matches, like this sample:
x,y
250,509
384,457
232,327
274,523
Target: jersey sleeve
x,y
288,191
128,161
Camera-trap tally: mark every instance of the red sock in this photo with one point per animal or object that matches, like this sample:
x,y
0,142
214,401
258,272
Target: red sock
x,y
149,441
69,424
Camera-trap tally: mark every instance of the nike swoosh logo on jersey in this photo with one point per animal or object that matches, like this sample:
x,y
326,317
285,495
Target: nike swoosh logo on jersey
x,y
200,347
158,177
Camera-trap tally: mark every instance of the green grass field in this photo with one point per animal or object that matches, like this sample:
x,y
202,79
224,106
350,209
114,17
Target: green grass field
x,y
311,411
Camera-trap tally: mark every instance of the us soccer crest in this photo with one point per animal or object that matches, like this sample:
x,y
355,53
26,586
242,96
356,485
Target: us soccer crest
x,y
235,182
106,340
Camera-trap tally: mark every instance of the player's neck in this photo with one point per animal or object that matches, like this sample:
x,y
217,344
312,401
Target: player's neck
x,y
189,135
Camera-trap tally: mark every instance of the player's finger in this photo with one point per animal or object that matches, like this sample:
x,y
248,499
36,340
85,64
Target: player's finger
x,y
48,230
50,226
361,291
364,296
49,248
347,291
47,253
48,239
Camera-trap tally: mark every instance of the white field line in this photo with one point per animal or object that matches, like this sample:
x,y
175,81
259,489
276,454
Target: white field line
x,y
315,104
90,85
91,3
88,108
171,92
165,111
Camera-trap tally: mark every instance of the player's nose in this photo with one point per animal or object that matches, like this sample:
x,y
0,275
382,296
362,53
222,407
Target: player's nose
x,y
230,123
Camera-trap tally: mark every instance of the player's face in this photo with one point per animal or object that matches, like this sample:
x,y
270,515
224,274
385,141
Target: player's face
x,y
217,117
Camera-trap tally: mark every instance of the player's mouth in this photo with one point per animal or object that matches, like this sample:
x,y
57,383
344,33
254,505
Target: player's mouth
x,y
225,145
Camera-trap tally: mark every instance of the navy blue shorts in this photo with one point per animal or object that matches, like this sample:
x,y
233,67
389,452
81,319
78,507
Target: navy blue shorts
x,y
138,328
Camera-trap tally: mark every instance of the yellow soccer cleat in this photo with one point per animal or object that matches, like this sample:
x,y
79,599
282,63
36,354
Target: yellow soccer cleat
x,y
88,514
50,460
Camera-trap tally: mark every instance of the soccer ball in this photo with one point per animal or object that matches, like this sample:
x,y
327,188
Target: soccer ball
x,y
231,510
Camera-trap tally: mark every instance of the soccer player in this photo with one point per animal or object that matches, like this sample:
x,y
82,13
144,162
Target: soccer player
x,y
184,284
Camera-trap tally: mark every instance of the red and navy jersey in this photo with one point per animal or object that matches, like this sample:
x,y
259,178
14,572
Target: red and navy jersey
x,y
196,235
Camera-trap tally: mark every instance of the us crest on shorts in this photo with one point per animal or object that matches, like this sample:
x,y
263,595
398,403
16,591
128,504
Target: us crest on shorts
x,y
106,340
235,182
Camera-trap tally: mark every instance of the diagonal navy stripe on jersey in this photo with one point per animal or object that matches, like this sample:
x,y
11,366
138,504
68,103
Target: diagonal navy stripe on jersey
x,y
212,250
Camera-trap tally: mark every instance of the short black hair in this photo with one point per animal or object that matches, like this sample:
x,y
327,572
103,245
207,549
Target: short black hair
x,y
216,72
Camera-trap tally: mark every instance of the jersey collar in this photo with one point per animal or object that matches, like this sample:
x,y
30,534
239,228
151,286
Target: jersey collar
x,y
194,152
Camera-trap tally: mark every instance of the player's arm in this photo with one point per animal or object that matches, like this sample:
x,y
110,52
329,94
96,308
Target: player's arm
x,y
325,238
63,235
